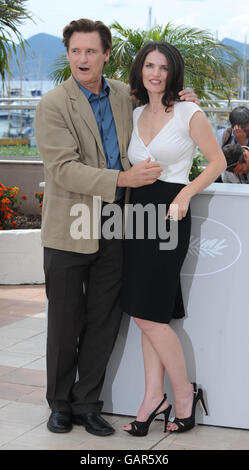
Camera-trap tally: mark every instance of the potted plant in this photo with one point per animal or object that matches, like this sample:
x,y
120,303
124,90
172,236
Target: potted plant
x,y
21,257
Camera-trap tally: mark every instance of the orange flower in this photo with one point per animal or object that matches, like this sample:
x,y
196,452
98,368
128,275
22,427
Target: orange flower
x,y
6,200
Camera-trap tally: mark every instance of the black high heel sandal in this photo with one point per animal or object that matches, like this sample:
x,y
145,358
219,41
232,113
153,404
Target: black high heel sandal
x,y
141,428
185,424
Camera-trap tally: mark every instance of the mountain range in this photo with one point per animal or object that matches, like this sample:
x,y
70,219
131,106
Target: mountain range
x,y
40,54
44,48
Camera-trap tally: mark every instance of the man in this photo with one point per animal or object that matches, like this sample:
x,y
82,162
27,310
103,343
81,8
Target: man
x,y
238,133
83,128
237,170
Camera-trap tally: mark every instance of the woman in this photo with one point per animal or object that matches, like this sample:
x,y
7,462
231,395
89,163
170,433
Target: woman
x,y
165,130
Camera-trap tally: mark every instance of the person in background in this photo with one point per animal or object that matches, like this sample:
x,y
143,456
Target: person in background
x,y
238,132
237,158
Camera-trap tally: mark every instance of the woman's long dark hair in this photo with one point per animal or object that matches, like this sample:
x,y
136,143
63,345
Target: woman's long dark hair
x,y
175,77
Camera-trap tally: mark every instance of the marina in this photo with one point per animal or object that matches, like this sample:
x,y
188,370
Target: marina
x,y
17,110
18,102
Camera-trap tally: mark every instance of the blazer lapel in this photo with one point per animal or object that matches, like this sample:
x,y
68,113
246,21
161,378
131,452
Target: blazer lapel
x,y
82,106
115,103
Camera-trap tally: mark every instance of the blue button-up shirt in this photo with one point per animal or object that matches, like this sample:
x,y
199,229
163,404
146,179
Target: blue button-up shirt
x,y
101,107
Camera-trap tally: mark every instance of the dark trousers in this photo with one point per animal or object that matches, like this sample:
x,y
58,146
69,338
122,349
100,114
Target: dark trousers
x,y
84,316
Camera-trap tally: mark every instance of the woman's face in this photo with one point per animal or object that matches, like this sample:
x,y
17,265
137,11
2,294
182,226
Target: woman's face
x,y
155,72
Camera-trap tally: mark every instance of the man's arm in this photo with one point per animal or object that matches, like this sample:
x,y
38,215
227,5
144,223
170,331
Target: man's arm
x,y
61,158
60,154
141,174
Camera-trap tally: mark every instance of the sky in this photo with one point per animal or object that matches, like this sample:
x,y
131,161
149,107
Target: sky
x,y
223,18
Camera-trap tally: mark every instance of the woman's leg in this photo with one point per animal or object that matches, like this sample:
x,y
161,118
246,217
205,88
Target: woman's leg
x,y
154,381
169,350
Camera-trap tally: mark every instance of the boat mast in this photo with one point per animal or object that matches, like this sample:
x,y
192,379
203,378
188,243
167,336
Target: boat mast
x,y
21,78
243,90
149,19
8,90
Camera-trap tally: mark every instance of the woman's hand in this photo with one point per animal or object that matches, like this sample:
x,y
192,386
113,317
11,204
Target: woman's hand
x,y
179,206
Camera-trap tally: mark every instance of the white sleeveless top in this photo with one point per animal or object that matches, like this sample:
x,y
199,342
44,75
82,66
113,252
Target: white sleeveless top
x,y
172,147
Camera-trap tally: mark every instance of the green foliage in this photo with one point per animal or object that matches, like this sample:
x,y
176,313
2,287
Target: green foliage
x,y
61,70
199,162
208,68
18,150
12,14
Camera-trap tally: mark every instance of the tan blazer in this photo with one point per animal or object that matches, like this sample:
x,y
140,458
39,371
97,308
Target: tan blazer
x,y
68,139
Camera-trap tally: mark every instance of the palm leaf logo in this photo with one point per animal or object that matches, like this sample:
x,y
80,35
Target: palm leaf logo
x,y
207,247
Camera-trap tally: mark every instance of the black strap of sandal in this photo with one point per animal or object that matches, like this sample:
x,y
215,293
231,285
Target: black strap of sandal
x,y
160,404
138,427
182,423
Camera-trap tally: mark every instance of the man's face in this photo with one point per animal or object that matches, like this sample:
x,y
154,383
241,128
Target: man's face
x,y
246,130
246,158
240,131
243,167
86,58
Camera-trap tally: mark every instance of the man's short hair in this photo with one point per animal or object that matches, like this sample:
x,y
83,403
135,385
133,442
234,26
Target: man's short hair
x,y
234,155
239,116
84,25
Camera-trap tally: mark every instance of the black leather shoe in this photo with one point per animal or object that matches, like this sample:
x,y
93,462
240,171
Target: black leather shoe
x,y
60,421
94,423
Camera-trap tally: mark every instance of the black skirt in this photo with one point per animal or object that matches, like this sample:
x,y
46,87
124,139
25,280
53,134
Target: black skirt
x,y
151,287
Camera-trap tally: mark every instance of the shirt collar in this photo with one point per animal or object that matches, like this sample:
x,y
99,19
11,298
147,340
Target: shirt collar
x,y
92,96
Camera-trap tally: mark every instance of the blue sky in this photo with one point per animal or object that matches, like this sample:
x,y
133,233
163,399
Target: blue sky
x,y
227,18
